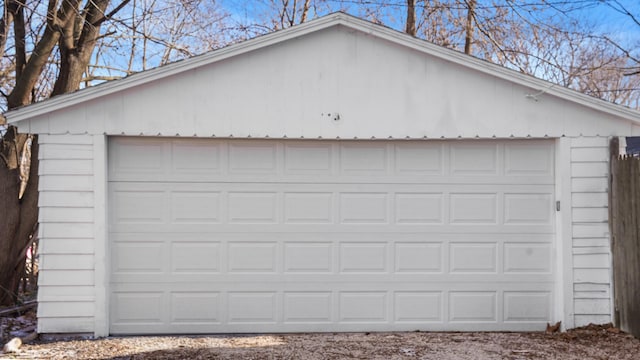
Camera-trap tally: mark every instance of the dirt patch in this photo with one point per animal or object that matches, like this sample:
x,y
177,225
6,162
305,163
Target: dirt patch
x,y
591,342
18,325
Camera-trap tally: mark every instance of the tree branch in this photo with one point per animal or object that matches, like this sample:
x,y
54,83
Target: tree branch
x,y
108,16
22,91
623,10
101,78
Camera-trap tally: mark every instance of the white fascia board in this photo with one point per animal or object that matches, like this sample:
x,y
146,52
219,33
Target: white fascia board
x,y
379,31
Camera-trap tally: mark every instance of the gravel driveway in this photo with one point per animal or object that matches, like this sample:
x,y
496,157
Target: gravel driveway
x,y
592,342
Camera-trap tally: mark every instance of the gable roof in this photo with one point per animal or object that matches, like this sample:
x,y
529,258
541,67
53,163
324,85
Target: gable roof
x,y
335,19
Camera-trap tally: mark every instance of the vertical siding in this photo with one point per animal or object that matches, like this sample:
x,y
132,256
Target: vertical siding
x,y
591,250
66,293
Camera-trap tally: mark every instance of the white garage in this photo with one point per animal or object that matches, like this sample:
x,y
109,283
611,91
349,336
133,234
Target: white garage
x,y
266,235
334,176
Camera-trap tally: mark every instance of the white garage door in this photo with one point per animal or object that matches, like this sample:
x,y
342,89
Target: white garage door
x,y
277,236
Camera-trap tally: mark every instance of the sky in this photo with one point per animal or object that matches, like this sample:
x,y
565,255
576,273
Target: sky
x,y
606,15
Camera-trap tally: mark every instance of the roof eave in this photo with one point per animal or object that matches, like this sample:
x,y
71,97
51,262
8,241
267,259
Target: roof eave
x,y
537,85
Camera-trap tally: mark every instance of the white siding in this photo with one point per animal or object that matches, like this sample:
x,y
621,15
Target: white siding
x,y
413,94
591,247
66,292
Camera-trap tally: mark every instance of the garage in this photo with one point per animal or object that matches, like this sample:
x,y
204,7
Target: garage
x,y
333,176
281,236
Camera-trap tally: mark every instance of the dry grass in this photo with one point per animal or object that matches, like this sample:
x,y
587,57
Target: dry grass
x,y
592,342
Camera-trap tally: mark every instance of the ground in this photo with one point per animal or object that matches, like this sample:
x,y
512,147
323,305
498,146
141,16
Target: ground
x,y
591,342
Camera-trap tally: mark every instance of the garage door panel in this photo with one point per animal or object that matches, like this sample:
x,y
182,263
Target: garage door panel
x,y
329,187
330,236
308,207
195,207
299,180
252,307
363,307
363,208
195,307
473,258
252,157
347,283
419,208
346,230
211,203
195,257
199,157
473,208
356,253
419,159
252,207
132,256
363,257
309,158
364,158
528,208
137,307
255,257
418,307
138,206
308,257
528,159
316,281
419,257
403,234
258,230
165,159
308,307
528,258
533,306
474,158
130,159
473,306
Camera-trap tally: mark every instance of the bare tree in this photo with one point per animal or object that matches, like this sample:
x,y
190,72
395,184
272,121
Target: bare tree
x,y
74,31
57,47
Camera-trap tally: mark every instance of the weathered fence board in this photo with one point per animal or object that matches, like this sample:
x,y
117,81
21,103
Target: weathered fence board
x,y
624,210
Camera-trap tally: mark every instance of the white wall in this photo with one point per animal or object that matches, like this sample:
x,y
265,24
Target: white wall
x,y
591,240
66,294
295,88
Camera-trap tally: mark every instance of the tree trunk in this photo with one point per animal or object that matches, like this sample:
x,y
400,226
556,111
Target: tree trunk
x,y
19,216
77,45
19,30
72,67
411,18
468,40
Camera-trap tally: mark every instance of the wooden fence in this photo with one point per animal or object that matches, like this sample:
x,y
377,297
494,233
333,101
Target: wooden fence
x,y
624,210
